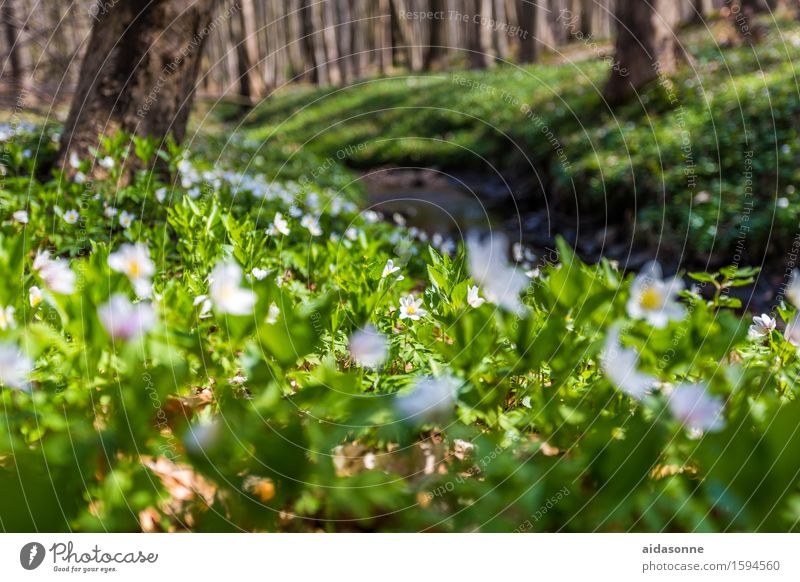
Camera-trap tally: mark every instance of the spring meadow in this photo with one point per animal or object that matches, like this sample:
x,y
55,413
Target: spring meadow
x,y
399,266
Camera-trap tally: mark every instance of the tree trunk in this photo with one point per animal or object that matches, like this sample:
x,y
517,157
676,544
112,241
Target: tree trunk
x,y
476,50
741,13
501,37
646,46
527,38
436,35
385,24
702,9
16,70
139,72
329,33
249,42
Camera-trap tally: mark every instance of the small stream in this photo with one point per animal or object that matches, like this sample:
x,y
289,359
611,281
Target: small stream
x,y
430,201
441,204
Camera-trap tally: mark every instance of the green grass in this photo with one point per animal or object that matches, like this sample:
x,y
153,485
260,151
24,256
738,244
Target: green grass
x,y
727,102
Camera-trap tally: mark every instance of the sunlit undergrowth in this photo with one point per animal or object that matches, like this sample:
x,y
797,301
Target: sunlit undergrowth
x,y
688,160
232,353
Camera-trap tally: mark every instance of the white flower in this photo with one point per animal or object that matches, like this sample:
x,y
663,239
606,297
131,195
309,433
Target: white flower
x,y
653,298
109,212
205,302
793,288
399,219
194,192
472,297
279,225
161,194
7,320
696,408
21,216
371,216
74,160
259,274
272,314
430,399
501,282
125,320
35,296
71,216
225,290
351,233
79,178
202,436
15,367
762,325
107,162
369,347
389,268
56,273
619,364
133,260
126,219
312,224
411,308
792,331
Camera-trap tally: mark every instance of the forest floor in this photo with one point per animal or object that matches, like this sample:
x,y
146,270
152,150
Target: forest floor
x,y
700,172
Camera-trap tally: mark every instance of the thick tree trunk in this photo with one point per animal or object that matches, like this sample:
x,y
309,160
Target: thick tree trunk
x,y
646,46
139,72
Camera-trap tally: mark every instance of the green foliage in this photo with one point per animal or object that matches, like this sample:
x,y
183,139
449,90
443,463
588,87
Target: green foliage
x,y
222,417
710,158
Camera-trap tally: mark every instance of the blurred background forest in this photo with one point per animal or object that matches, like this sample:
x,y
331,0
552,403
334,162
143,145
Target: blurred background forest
x,y
628,127
274,42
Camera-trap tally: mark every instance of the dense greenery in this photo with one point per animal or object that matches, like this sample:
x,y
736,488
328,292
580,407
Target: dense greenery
x,y
257,362
706,163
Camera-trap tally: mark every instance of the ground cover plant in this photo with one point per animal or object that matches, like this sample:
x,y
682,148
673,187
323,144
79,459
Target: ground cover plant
x,y
226,351
686,160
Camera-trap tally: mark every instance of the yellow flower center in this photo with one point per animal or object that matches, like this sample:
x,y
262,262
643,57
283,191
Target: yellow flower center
x,y
134,269
651,299
411,309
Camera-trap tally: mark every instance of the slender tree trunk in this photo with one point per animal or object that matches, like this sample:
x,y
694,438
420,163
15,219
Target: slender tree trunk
x,y
16,70
308,41
139,72
501,36
249,42
331,46
527,40
384,36
741,14
317,32
702,8
476,50
646,46
436,35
